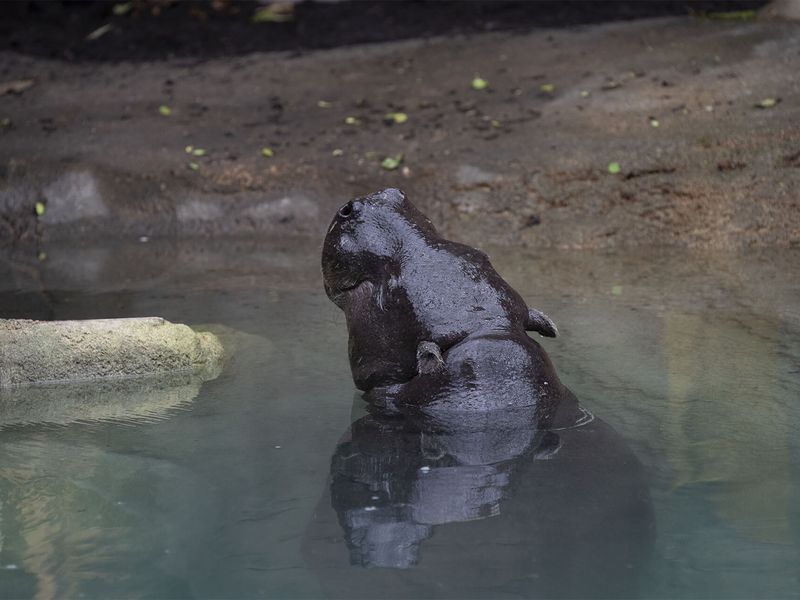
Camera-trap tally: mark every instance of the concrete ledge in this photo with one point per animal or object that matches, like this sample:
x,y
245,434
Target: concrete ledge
x,y
35,352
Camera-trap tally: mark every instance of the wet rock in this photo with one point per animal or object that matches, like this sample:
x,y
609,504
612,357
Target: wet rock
x,y
199,210
472,202
42,352
73,197
284,210
787,10
469,176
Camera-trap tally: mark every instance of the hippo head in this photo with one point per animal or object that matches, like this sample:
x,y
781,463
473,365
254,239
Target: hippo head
x,y
367,237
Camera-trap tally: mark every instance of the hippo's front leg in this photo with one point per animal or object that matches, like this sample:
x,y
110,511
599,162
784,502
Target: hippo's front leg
x,y
429,358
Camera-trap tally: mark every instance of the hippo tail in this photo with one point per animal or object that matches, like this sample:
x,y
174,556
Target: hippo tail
x,y
539,322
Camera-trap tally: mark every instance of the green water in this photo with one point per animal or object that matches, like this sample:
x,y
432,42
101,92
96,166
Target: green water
x,y
694,359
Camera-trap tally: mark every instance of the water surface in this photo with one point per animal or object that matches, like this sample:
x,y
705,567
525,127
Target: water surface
x,y
693,360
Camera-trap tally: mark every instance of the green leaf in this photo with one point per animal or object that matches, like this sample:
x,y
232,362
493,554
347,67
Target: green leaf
x,y
547,88
584,93
324,104
193,166
397,117
337,152
768,103
267,152
164,110
39,208
121,8
390,163
274,13
733,15
616,290
352,121
479,84
654,123
189,149
614,168
198,152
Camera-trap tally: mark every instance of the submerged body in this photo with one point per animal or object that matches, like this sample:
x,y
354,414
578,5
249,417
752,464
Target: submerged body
x,y
431,324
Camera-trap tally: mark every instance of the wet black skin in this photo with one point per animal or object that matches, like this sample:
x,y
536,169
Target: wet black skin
x,y
432,326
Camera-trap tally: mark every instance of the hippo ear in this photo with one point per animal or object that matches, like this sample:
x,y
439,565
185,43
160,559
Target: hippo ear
x,y
541,323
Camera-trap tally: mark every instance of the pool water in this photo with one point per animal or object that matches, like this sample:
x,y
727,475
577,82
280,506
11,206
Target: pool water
x,y
255,484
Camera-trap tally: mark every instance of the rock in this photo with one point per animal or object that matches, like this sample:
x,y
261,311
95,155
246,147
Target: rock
x,y
73,197
34,352
787,10
469,176
284,210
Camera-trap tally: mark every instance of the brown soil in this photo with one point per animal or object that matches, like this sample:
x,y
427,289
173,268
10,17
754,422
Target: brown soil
x,y
516,163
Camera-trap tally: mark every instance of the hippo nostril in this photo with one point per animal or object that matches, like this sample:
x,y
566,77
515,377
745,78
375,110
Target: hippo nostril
x,y
346,210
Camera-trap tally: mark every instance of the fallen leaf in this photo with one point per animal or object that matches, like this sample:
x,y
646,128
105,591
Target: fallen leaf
x,y
39,208
15,87
121,8
324,104
267,152
616,290
189,149
654,122
99,32
277,12
733,15
199,152
42,255
547,88
194,166
768,102
397,117
390,163
5,122
352,121
164,110
584,93
479,84
614,168
337,152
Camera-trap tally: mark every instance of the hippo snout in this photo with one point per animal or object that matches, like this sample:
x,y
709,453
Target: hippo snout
x,y
391,195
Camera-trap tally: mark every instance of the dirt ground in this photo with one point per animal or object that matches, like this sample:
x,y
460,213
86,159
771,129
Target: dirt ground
x,y
701,115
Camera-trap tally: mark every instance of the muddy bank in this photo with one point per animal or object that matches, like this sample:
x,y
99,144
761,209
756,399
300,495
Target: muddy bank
x,y
700,115
98,30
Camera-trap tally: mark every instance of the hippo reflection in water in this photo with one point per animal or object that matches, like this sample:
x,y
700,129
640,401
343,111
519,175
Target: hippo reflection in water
x,y
480,507
492,480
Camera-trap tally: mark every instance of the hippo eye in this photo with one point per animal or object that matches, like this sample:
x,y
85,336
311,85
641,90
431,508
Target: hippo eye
x,y
346,210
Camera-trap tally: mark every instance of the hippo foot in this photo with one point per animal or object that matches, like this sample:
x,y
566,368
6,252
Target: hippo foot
x,y
429,358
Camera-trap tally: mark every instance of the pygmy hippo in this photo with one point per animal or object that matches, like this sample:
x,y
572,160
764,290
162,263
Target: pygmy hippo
x,y
432,326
